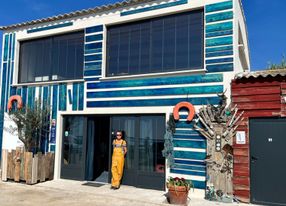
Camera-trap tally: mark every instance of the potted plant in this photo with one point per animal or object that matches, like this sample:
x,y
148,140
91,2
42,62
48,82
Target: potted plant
x,y
178,190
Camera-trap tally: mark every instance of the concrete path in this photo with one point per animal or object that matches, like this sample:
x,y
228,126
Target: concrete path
x,y
73,193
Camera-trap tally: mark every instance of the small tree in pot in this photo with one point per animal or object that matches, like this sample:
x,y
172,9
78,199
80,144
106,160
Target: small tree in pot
x,y
32,123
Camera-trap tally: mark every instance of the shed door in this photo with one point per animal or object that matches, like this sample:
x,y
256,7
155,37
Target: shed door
x,y
268,161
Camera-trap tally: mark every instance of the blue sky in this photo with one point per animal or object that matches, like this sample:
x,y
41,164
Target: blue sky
x,y
265,22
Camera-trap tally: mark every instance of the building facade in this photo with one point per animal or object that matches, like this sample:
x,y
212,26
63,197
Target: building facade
x,y
124,66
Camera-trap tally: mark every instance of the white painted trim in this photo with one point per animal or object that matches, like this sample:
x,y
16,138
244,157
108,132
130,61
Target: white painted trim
x,y
154,74
47,83
189,149
150,97
157,87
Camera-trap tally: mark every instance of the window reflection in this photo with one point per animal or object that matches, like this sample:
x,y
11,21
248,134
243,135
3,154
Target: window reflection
x,y
151,144
73,140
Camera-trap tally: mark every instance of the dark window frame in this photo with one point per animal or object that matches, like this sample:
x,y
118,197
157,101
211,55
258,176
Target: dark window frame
x,y
153,70
74,38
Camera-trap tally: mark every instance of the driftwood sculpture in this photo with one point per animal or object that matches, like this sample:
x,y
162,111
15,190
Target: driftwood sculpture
x,y
218,124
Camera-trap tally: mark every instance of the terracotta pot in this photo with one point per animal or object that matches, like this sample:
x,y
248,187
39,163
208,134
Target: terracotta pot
x,y
178,194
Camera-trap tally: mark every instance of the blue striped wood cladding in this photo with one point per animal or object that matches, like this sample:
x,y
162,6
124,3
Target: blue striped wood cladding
x,y
219,33
188,172
19,92
81,96
24,95
151,8
13,91
190,155
219,16
3,86
13,46
92,79
94,57
6,47
157,81
92,51
153,102
214,61
189,137
219,6
189,131
70,96
184,124
10,46
219,49
75,96
218,54
97,37
220,67
97,45
92,72
62,97
190,167
158,92
55,102
31,96
219,41
219,27
190,144
199,184
50,27
190,162
90,65
94,29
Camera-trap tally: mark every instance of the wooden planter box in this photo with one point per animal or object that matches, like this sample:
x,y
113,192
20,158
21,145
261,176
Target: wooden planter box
x,y
23,166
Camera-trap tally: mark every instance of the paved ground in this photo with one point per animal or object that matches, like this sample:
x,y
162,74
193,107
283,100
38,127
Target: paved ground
x,y
73,193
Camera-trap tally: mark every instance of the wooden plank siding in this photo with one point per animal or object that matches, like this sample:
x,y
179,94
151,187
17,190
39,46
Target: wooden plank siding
x,y
257,97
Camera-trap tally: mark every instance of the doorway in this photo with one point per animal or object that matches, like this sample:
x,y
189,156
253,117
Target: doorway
x,y
98,149
267,161
87,148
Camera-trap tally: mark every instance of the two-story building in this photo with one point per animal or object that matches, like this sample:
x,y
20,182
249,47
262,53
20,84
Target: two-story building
x,y
125,66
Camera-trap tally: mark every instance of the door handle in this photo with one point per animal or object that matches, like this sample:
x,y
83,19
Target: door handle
x,y
253,159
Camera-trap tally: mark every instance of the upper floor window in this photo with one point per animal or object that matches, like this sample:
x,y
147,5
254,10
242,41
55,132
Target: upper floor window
x,y
52,58
164,44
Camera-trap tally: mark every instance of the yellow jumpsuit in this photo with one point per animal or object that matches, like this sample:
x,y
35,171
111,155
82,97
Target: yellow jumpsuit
x,y
117,162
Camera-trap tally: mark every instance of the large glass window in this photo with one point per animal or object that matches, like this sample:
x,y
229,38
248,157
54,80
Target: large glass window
x,y
52,58
164,44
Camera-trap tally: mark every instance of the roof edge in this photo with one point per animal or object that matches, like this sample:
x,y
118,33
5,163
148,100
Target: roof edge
x,y
77,13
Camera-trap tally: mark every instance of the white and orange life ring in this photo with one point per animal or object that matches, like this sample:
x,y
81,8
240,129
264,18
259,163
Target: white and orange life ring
x,y
16,98
187,105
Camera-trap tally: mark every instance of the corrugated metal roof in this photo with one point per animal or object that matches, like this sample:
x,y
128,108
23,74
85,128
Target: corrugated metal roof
x,y
266,73
77,13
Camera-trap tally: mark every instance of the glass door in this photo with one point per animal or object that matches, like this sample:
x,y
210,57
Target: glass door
x,y
73,148
128,125
144,163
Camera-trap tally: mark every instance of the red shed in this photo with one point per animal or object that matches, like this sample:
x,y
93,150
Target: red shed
x,y
260,144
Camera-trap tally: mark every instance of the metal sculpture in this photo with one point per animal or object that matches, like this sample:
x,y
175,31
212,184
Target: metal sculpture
x,y
218,124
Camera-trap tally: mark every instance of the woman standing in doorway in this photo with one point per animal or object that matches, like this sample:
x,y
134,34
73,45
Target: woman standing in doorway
x,y
119,151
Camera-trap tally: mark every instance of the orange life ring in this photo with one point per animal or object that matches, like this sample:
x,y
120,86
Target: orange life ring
x,y
15,98
187,105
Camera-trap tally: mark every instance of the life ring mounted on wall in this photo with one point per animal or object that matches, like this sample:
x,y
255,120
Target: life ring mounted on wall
x,y
16,98
187,105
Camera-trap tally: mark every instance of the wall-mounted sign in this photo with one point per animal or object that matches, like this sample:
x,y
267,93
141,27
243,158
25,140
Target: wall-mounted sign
x,y
53,132
240,137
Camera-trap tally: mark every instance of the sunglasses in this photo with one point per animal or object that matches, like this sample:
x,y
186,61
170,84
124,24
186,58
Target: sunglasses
x,y
118,134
